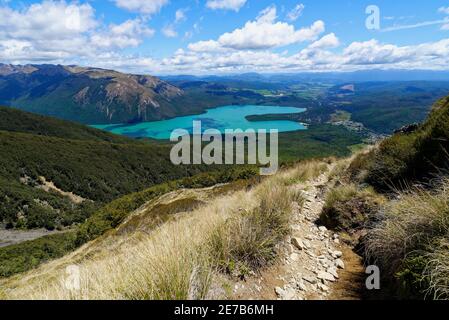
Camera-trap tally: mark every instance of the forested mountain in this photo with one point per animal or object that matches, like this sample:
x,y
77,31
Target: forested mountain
x,y
87,95
38,152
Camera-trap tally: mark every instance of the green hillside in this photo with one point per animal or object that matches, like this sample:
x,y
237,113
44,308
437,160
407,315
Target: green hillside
x,y
14,120
92,164
408,157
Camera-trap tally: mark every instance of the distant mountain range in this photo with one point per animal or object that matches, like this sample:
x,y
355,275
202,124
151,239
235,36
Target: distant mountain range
x,y
338,77
99,96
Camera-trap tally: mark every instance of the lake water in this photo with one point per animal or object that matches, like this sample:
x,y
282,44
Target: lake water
x,y
221,118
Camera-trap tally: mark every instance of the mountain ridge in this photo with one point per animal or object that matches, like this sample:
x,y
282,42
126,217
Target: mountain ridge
x,y
86,95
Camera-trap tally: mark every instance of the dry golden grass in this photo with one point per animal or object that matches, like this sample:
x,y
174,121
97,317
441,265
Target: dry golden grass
x,y
307,170
181,258
438,270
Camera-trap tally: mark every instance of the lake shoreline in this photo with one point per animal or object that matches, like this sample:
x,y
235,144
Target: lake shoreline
x,y
220,118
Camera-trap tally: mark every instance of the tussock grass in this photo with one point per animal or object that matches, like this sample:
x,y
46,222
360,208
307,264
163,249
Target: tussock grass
x,y
341,193
410,243
437,270
183,258
339,169
349,207
307,170
248,240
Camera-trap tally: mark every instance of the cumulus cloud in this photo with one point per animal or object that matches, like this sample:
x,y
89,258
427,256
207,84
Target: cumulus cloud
x,y
296,12
128,34
46,20
142,6
315,57
45,31
69,33
372,52
263,33
328,41
56,31
235,5
206,46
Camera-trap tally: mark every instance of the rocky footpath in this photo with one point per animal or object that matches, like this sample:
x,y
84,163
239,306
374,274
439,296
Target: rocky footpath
x,y
310,259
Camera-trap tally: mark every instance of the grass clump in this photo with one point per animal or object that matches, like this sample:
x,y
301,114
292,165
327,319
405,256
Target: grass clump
x,y
410,243
348,208
248,240
306,171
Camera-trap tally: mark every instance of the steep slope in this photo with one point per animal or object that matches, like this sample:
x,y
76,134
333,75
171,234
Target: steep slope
x,y
205,241
13,120
392,204
413,155
44,160
86,95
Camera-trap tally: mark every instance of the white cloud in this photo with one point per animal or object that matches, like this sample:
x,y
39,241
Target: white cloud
x,y
45,31
328,41
264,33
169,31
209,57
128,34
373,52
180,15
235,5
296,12
69,33
416,25
132,27
206,46
142,6
46,20
444,10
56,31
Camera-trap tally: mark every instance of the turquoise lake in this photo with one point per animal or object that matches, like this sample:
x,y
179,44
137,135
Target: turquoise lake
x,y
221,118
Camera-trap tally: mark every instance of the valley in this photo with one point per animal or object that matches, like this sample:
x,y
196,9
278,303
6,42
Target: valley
x,y
74,194
104,97
224,159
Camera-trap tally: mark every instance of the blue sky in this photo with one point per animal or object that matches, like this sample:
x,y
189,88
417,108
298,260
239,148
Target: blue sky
x,y
225,36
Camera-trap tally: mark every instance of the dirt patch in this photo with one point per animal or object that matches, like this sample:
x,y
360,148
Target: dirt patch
x,y
49,186
352,278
